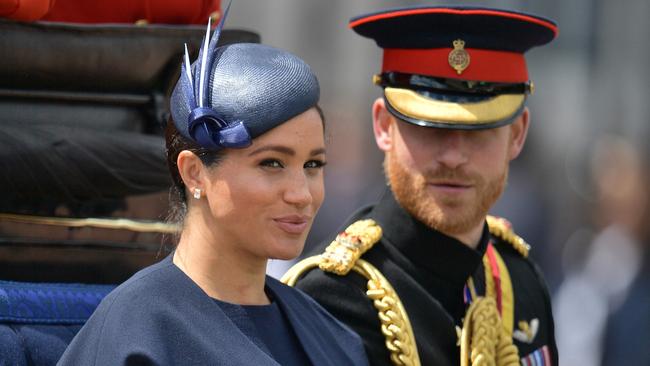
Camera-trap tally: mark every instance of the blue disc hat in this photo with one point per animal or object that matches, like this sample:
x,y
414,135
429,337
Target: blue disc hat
x,y
455,67
234,93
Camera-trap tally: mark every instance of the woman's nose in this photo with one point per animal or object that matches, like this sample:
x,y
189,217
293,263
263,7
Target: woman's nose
x,y
297,191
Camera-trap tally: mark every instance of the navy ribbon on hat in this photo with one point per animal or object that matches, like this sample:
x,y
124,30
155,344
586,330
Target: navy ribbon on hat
x,y
204,124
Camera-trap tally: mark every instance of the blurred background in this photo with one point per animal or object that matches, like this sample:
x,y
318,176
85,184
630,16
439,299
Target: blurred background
x,y
579,191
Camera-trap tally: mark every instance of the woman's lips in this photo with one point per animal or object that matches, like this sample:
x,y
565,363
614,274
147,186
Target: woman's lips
x,y
293,224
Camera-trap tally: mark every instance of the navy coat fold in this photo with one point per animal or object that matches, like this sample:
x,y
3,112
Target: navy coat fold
x,y
161,317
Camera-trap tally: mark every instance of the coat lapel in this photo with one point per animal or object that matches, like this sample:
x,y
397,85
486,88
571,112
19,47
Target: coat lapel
x,y
307,324
225,332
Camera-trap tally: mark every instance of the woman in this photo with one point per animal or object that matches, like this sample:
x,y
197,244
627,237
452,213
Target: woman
x,y
246,153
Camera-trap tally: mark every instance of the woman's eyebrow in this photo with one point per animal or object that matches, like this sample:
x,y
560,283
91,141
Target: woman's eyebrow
x,y
285,150
318,151
277,148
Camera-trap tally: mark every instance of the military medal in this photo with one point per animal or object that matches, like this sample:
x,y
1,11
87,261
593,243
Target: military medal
x,y
527,331
458,57
540,357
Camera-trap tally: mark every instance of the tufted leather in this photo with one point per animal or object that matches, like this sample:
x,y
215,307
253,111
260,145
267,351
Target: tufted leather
x,y
38,320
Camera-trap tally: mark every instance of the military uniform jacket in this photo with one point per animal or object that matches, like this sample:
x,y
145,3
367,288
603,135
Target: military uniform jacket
x,y
161,317
429,271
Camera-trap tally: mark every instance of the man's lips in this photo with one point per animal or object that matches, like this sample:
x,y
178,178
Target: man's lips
x,y
450,186
293,224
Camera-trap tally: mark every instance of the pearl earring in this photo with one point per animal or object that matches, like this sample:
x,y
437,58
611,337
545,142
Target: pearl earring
x,y
197,193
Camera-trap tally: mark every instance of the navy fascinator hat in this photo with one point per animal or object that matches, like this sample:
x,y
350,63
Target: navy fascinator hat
x,y
234,93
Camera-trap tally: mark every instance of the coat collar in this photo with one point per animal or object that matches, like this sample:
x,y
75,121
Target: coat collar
x,y
322,345
429,249
224,328
312,327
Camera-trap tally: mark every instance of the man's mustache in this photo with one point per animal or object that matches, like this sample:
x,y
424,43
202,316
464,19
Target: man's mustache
x,y
454,175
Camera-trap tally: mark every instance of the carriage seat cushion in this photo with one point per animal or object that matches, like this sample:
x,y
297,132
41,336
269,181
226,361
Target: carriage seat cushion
x,y
38,320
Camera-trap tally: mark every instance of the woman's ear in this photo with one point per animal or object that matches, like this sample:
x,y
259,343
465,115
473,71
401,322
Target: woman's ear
x,y
382,121
518,133
191,170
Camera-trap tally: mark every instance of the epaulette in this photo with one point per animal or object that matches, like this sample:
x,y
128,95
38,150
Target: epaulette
x,y
502,229
342,253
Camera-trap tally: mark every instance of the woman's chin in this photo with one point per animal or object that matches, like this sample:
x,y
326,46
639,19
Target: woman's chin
x,y
287,252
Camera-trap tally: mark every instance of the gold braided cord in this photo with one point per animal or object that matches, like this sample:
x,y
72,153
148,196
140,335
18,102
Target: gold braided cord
x,y
299,269
395,324
485,339
490,289
342,253
484,342
502,229
507,294
472,288
117,224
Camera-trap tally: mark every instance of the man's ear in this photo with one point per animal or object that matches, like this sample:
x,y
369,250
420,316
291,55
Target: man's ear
x,y
191,170
518,133
382,122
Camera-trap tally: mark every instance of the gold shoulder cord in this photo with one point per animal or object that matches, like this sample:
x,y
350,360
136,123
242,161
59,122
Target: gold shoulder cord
x,y
502,229
484,340
342,256
486,337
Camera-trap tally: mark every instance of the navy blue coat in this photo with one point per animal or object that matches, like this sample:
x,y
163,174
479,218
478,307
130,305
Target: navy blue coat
x,y
161,317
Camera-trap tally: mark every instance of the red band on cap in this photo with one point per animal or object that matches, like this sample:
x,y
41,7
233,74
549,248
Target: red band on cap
x,y
484,65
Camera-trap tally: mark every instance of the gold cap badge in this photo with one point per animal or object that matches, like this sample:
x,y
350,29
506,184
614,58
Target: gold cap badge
x,y
458,57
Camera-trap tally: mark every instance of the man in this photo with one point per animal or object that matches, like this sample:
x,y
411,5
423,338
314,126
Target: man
x,y
431,279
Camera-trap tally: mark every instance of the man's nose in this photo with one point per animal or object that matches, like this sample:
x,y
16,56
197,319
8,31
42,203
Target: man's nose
x,y
452,151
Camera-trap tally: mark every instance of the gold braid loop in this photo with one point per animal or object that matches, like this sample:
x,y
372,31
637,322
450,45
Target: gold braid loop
x,y
395,324
484,341
342,256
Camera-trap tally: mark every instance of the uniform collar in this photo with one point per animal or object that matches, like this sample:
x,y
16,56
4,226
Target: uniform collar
x,y
427,248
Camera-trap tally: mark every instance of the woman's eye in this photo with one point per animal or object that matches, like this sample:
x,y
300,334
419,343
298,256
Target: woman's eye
x,y
271,163
314,164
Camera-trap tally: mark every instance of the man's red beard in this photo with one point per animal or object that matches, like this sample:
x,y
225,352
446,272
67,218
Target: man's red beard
x,y
449,215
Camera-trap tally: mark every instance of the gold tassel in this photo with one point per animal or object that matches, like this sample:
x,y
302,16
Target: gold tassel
x,y
484,341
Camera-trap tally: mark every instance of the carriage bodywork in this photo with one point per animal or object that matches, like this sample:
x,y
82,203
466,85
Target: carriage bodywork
x,y
82,169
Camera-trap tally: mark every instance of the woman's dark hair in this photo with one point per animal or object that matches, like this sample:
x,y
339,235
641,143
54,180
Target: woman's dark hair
x,y
175,143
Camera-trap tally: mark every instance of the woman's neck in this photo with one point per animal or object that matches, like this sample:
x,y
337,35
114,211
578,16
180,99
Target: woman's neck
x,y
220,269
